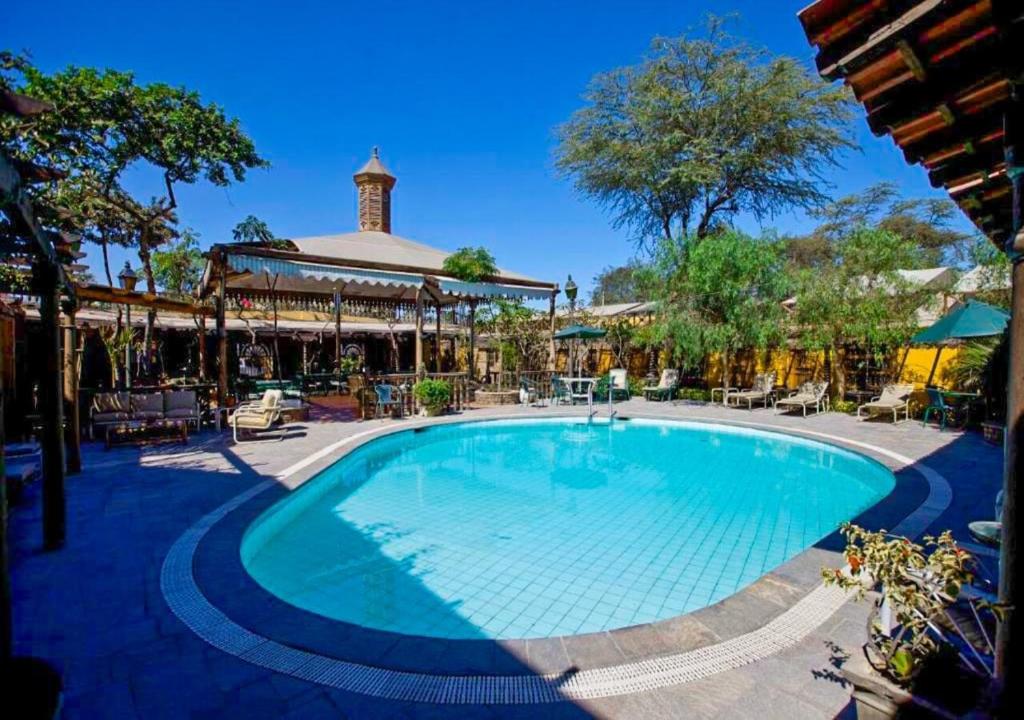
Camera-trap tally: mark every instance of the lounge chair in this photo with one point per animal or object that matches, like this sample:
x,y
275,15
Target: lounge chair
x,y
666,387
810,394
894,398
762,389
618,383
257,416
389,397
527,391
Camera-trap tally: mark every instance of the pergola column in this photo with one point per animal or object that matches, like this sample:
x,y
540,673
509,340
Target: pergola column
x,y
201,332
472,340
74,435
51,407
437,340
1008,637
222,336
419,331
337,330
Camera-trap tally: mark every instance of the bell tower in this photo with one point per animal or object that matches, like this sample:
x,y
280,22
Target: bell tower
x,y
375,184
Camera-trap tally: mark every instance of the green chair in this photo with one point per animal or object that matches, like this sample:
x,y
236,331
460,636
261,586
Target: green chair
x,y
937,404
560,392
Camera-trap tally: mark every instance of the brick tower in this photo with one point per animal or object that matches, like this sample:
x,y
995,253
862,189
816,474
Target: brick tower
x,y
374,183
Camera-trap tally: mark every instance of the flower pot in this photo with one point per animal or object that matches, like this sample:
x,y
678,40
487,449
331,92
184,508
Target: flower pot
x,y
432,410
993,432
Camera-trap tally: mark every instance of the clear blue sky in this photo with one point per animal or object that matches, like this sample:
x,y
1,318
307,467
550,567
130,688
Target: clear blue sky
x,y
462,99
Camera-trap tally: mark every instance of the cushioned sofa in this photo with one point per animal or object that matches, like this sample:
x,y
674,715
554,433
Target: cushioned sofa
x,y
118,407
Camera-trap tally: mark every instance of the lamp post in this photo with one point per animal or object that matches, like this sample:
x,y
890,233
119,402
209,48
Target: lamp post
x,y
570,293
128,278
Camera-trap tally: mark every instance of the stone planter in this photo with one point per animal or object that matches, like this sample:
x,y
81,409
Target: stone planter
x,y
432,410
993,432
875,697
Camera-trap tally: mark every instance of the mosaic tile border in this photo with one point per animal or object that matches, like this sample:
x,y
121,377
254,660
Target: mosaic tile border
x,y
190,605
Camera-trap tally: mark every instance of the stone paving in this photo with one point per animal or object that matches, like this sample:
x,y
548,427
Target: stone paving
x,y
95,608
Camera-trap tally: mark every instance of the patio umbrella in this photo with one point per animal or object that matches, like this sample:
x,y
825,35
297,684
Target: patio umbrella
x,y
578,332
973,319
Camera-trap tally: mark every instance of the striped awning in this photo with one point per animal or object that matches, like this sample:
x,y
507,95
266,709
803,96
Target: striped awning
x,y
323,273
460,288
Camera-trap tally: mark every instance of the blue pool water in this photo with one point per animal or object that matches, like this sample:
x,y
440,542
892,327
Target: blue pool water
x,y
520,529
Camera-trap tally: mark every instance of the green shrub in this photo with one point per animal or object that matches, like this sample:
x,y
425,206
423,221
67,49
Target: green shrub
x,y
845,406
694,394
432,393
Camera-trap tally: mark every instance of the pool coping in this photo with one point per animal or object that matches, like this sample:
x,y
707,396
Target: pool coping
x,y
204,573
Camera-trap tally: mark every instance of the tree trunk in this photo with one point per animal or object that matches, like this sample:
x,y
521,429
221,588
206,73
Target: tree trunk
x,y
147,271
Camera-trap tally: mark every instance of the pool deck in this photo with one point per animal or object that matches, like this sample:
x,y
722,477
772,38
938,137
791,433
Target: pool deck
x,y
98,610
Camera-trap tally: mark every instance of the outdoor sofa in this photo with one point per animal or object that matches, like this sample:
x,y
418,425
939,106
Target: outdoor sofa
x,y
113,408
894,399
809,395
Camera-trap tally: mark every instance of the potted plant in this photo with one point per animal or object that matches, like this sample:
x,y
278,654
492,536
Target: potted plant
x,y
432,395
923,632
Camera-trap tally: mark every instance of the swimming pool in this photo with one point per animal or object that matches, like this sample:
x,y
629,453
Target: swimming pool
x,y
539,528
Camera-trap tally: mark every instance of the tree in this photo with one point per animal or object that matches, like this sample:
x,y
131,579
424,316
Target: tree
x,y
929,224
252,230
105,125
521,334
860,298
704,128
470,264
621,284
720,296
178,268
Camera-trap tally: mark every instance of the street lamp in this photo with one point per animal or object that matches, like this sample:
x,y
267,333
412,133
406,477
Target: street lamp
x,y
128,278
570,293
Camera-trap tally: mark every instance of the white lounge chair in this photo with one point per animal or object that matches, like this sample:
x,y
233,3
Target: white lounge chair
x,y
894,399
762,389
666,387
618,383
257,416
810,394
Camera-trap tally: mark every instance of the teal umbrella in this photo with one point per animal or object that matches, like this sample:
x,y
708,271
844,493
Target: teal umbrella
x,y
579,332
973,319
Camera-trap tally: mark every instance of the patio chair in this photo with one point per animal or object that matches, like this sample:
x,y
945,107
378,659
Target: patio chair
x,y
389,397
527,391
762,389
561,393
810,394
937,404
618,383
257,417
894,398
666,387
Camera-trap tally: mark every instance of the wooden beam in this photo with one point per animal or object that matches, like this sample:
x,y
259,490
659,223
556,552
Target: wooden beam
x,y
472,340
419,334
117,296
437,339
222,344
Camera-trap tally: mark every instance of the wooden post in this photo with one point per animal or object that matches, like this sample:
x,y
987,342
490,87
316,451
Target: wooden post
x,y
73,438
551,339
337,330
222,336
1009,641
6,629
51,407
201,331
419,332
437,340
471,368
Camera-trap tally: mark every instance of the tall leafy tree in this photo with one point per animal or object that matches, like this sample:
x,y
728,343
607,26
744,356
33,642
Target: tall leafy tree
x,y
178,266
929,224
252,230
105,125
859,298
705,127
721,296
621,284
471,264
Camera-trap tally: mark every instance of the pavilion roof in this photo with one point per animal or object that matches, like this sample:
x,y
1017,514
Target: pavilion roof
x,y
935,75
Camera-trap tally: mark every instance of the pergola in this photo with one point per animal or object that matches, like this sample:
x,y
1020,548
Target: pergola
x,y
370,273
943,79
